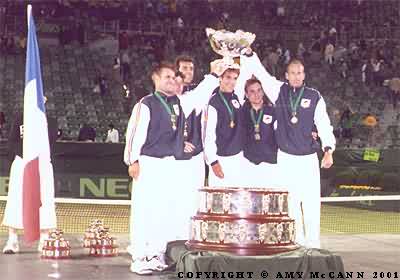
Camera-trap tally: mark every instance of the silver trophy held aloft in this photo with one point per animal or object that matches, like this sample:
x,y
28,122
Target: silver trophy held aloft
x,y
229,44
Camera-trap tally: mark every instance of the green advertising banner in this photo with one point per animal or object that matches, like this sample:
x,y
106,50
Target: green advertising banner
x,y
96,170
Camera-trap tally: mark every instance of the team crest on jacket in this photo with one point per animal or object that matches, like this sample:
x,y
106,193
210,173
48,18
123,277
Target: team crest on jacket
x,y
235,104
305,103
176,109
267,119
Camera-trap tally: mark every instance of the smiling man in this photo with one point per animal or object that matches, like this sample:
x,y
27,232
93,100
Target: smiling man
x,y
298,109
260,148
223,131
154,142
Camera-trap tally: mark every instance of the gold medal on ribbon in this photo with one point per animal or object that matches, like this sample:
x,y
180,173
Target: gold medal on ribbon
x,y
169,108
294,103
173,121
232,124
185,132
256,122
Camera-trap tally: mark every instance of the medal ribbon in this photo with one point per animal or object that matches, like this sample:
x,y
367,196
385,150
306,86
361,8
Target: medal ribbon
x,y
253,117
168,107
227,105
294,101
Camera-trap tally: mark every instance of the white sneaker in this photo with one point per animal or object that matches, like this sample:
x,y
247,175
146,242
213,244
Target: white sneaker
x,y
141,267
12,247
157,263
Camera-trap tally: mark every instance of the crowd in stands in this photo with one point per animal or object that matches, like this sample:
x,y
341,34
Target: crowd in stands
x,y
350,49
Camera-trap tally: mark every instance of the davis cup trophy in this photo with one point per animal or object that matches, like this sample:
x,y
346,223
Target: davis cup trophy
x,y
229,44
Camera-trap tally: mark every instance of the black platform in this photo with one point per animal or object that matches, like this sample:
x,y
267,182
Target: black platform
x,y
299,264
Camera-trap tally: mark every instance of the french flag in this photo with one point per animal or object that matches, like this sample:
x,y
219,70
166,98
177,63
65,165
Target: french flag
x,y
36,148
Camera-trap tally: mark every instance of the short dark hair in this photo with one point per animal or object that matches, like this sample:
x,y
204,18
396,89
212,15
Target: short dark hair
x,y
237,71
294,61
250,82
111,125
183,58
162,65
159,66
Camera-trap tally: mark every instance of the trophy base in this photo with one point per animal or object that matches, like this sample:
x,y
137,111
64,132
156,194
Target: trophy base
x,y
103,251
246,250
56,253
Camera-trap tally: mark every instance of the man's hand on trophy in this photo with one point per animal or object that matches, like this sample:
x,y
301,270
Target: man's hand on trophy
x,y
218,67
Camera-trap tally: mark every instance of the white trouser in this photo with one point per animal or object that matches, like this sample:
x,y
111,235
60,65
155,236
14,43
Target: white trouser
x,y
193,172
13,212
263,175
234,175
301,176
158,211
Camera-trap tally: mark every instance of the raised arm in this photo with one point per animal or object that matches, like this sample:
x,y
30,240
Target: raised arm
x,y
198,97
270,84
136,133
244,75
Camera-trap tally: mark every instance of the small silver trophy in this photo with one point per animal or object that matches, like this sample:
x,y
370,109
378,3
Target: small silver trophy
x,y
229,44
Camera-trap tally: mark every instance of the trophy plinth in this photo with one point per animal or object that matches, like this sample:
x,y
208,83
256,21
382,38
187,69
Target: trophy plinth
x,y
97,238
56,247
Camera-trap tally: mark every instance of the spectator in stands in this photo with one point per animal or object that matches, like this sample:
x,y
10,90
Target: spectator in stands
x,y
301,51
117,71
22,43
332,35
394,91
279,51
329,51
286,57
2,43
376,66
343,69
346,124
273,59
112,134
102,82
10,47
335,119
125,66
13,211
280,9
123,41
179,23
364,69
81,33
87,133
59,134
2,123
